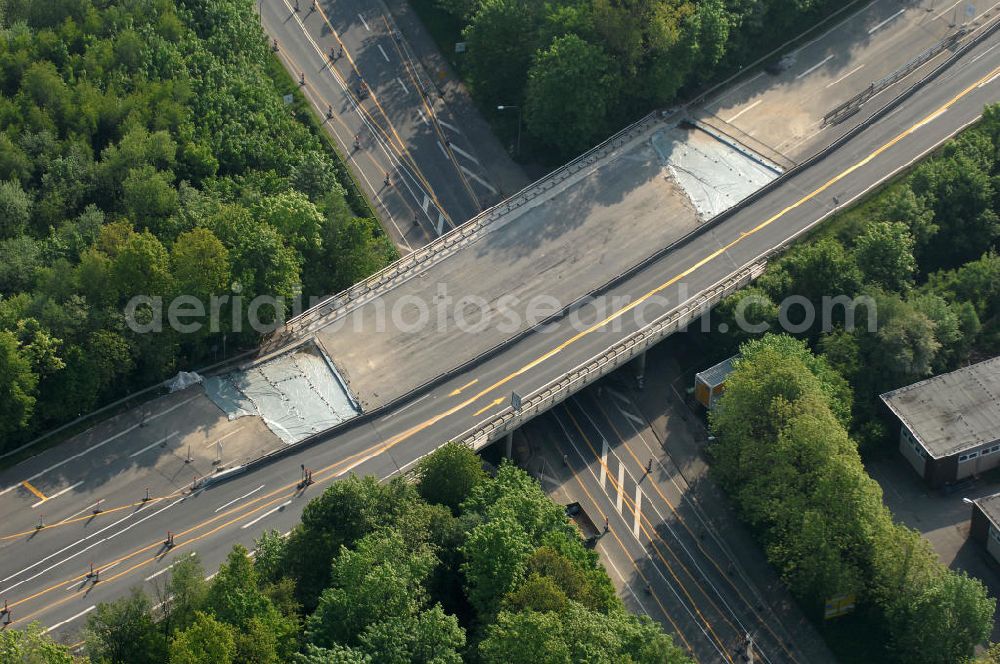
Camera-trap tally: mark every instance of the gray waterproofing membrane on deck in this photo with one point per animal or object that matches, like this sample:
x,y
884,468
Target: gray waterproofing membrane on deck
x,y
297,394
714,174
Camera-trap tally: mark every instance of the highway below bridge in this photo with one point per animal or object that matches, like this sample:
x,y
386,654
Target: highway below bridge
x,y
89,493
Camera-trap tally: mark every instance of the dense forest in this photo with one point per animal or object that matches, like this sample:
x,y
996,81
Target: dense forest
x,y
798,413
582,69
145,149
783,454
925,251
457,567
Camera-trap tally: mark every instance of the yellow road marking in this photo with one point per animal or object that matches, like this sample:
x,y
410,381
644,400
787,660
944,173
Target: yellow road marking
x,y
394,440
458,391
642,576
401,149
677,515
653,535
31,487
423,100
492,404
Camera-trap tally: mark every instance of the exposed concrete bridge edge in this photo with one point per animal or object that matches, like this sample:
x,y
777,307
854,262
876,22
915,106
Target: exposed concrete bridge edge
x,y
493,218
493,428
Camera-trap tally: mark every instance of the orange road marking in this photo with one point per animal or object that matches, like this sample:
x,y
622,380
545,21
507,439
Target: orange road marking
x,y
30,487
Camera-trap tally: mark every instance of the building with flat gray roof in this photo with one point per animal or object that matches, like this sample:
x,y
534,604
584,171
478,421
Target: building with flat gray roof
x,y
985,526
950,424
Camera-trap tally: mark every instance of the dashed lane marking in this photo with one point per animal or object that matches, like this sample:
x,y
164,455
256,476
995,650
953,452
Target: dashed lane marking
x,y
751,106
159,442
450,126
853,71
815,67
71,619
879,26
267,514
100,444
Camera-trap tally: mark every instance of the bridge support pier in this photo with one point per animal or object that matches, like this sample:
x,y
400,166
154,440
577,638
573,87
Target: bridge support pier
x,y
640,370
508,442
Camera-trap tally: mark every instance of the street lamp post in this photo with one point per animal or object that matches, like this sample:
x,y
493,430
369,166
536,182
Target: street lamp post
x,y
517,149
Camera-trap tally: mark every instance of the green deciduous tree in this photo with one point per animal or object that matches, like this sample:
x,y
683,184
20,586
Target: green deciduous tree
x,y
15,209
344,513
17,385
380,579
188,591
495,555
449,474
123,632
500,46
571,89
31,645
204,641
885,255
428,637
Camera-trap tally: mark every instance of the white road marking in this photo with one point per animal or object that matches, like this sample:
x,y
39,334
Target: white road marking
x,y
152,445
410,405
382,51
983,53
891,18
638,510
165,569
604,462
463,153
448,125
443,151
731,91
853,71
71,619
235,500
753,105
357,108
607,558
364,23
85,509
403,85
100,444
621,486
76,584
988,81
266,514
815,67
57,494
618,395
946,10
930,118
478,179
638,420
423,118
219,440
427,201
655,568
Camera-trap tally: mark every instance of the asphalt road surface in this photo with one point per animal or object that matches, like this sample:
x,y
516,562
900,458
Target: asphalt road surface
x,y
672,560
43,572
409,155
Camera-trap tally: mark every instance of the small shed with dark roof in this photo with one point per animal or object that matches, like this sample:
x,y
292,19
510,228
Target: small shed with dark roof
x,y
950,424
